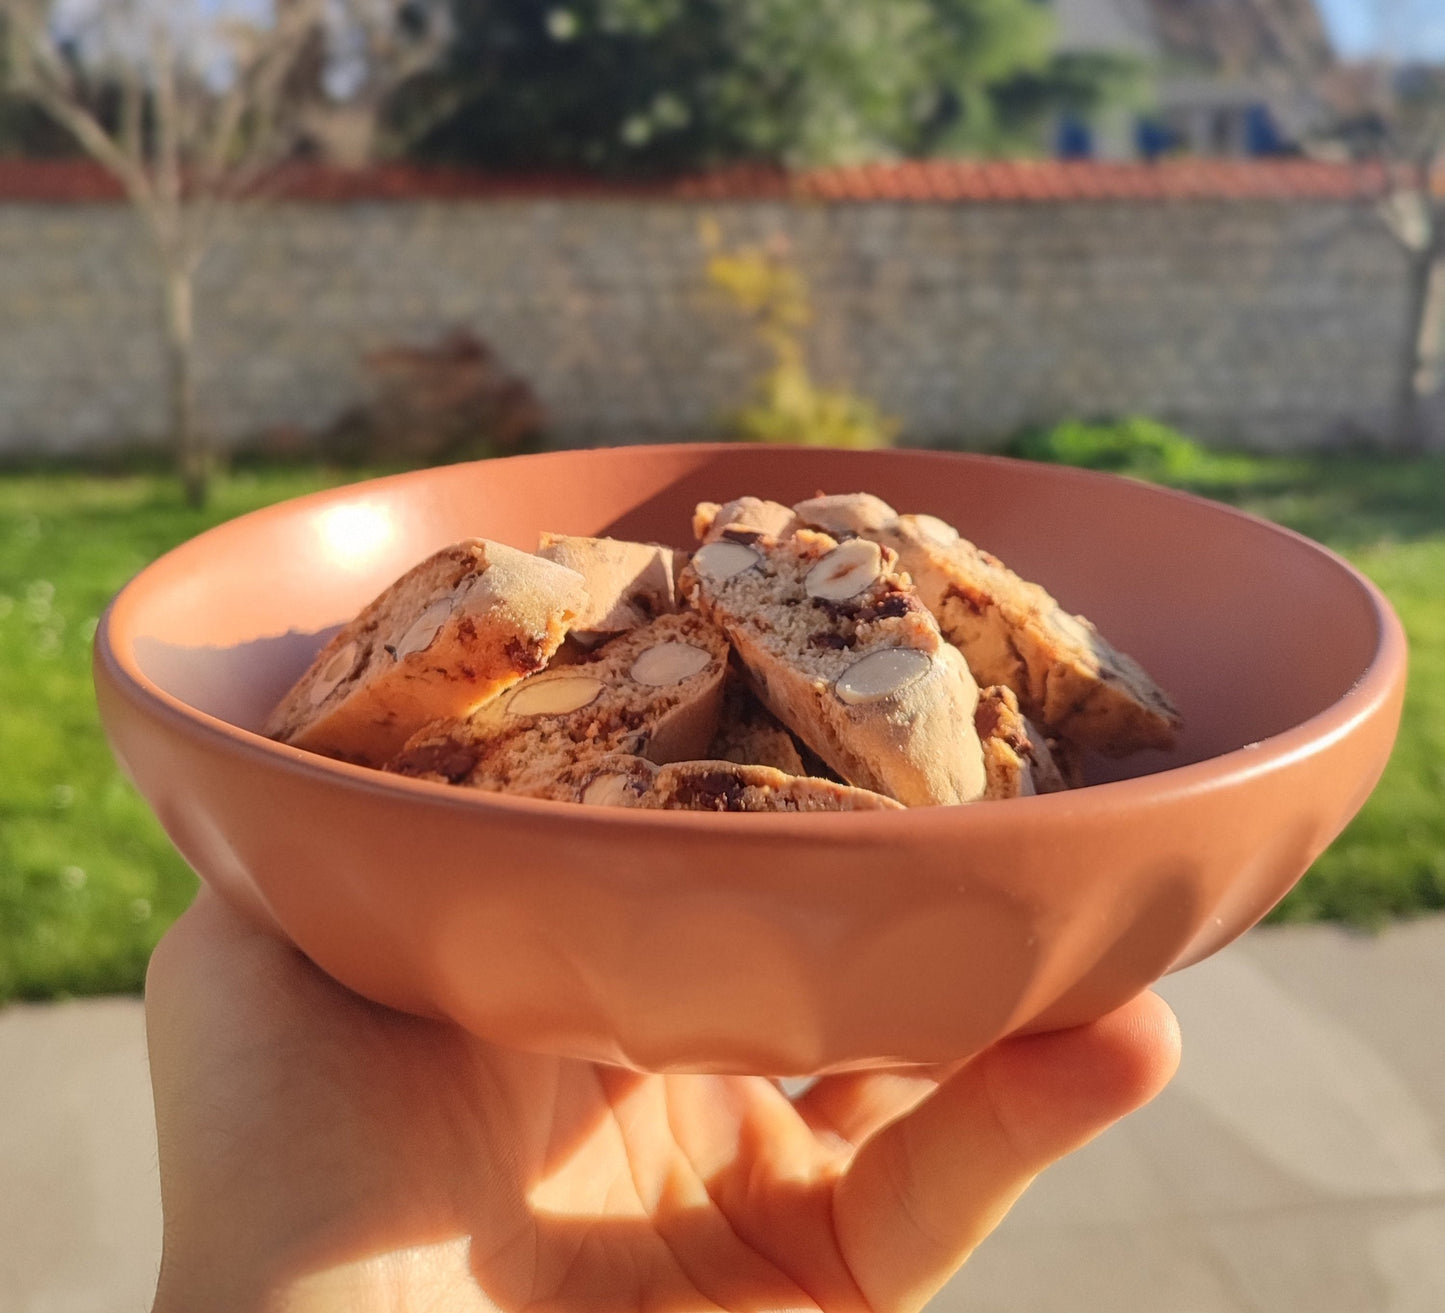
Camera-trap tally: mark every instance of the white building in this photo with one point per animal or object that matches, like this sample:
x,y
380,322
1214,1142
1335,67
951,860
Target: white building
x,y
1229,77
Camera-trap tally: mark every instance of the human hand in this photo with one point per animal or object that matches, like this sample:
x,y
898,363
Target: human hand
x,y
318,1152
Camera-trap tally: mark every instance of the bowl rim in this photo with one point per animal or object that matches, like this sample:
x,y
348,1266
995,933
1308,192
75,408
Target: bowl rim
x,y
114,662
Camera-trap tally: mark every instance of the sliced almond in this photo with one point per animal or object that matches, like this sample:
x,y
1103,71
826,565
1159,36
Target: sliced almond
x,y
553,697
846,571
422,632
669,663
610,790
722,560
333,673
881,674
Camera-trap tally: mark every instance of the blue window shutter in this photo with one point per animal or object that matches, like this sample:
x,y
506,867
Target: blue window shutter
x,y
1075,139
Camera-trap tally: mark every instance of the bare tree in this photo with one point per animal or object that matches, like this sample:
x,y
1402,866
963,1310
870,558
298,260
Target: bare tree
x,y
196,111
1388,111
1394,114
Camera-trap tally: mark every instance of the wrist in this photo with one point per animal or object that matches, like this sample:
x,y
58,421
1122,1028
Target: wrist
x,y
426,1277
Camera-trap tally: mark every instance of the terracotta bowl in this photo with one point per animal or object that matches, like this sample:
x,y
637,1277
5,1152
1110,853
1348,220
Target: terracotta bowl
x,y
783,945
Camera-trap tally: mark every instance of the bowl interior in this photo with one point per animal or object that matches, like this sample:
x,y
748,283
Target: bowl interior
x,y
1251,629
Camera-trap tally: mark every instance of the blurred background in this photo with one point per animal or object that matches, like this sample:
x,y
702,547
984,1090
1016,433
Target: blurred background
x,y
250,248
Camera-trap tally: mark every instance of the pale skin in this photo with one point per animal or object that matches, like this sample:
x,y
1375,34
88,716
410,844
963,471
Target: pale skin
x,y
320,1153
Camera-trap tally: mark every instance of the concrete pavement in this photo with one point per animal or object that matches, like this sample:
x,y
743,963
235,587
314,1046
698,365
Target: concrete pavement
x,y
1296,1165
80,1213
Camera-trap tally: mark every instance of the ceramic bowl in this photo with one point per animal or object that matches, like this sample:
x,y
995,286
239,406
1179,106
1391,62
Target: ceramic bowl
x,y
776,944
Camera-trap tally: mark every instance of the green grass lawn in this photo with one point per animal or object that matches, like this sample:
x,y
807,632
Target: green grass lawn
x,y
88,882
87,879
1388,517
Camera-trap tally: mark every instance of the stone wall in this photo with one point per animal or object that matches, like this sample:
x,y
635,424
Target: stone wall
x,y
1275,323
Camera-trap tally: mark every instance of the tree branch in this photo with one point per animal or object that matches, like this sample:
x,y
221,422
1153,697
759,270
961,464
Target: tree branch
x,y
41,73
189,143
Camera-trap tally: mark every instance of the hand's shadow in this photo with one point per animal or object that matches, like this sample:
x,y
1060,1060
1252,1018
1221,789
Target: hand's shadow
x,y
239,684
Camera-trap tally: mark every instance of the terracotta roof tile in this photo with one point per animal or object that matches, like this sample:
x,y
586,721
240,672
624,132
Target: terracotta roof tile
x,y
56,180
958,181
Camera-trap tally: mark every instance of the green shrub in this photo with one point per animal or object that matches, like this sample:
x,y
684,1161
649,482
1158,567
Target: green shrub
x,y
1138,446
787,405
789,408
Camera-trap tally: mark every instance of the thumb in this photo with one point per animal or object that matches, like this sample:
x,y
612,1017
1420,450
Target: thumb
x,y
922,1193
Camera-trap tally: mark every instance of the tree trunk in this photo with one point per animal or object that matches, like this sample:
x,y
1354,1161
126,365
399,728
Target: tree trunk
x,y
188,443
1420,362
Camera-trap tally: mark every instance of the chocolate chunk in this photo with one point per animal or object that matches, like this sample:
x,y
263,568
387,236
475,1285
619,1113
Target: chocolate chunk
x,y
452,761
890,607
525,656
847,610
986,718
716,791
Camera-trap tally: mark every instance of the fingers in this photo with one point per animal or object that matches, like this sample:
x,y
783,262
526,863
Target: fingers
x,y
923,1193
853,1107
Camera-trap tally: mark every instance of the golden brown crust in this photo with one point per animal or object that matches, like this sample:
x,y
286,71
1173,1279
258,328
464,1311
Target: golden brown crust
x,y
1016,758
450,634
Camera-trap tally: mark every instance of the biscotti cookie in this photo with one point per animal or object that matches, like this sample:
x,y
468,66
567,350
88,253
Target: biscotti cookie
x,y
448,635
1067,677
743,519
1016,758
719,786
1068,759
628,584
724,786
653,692
841,651
751,735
